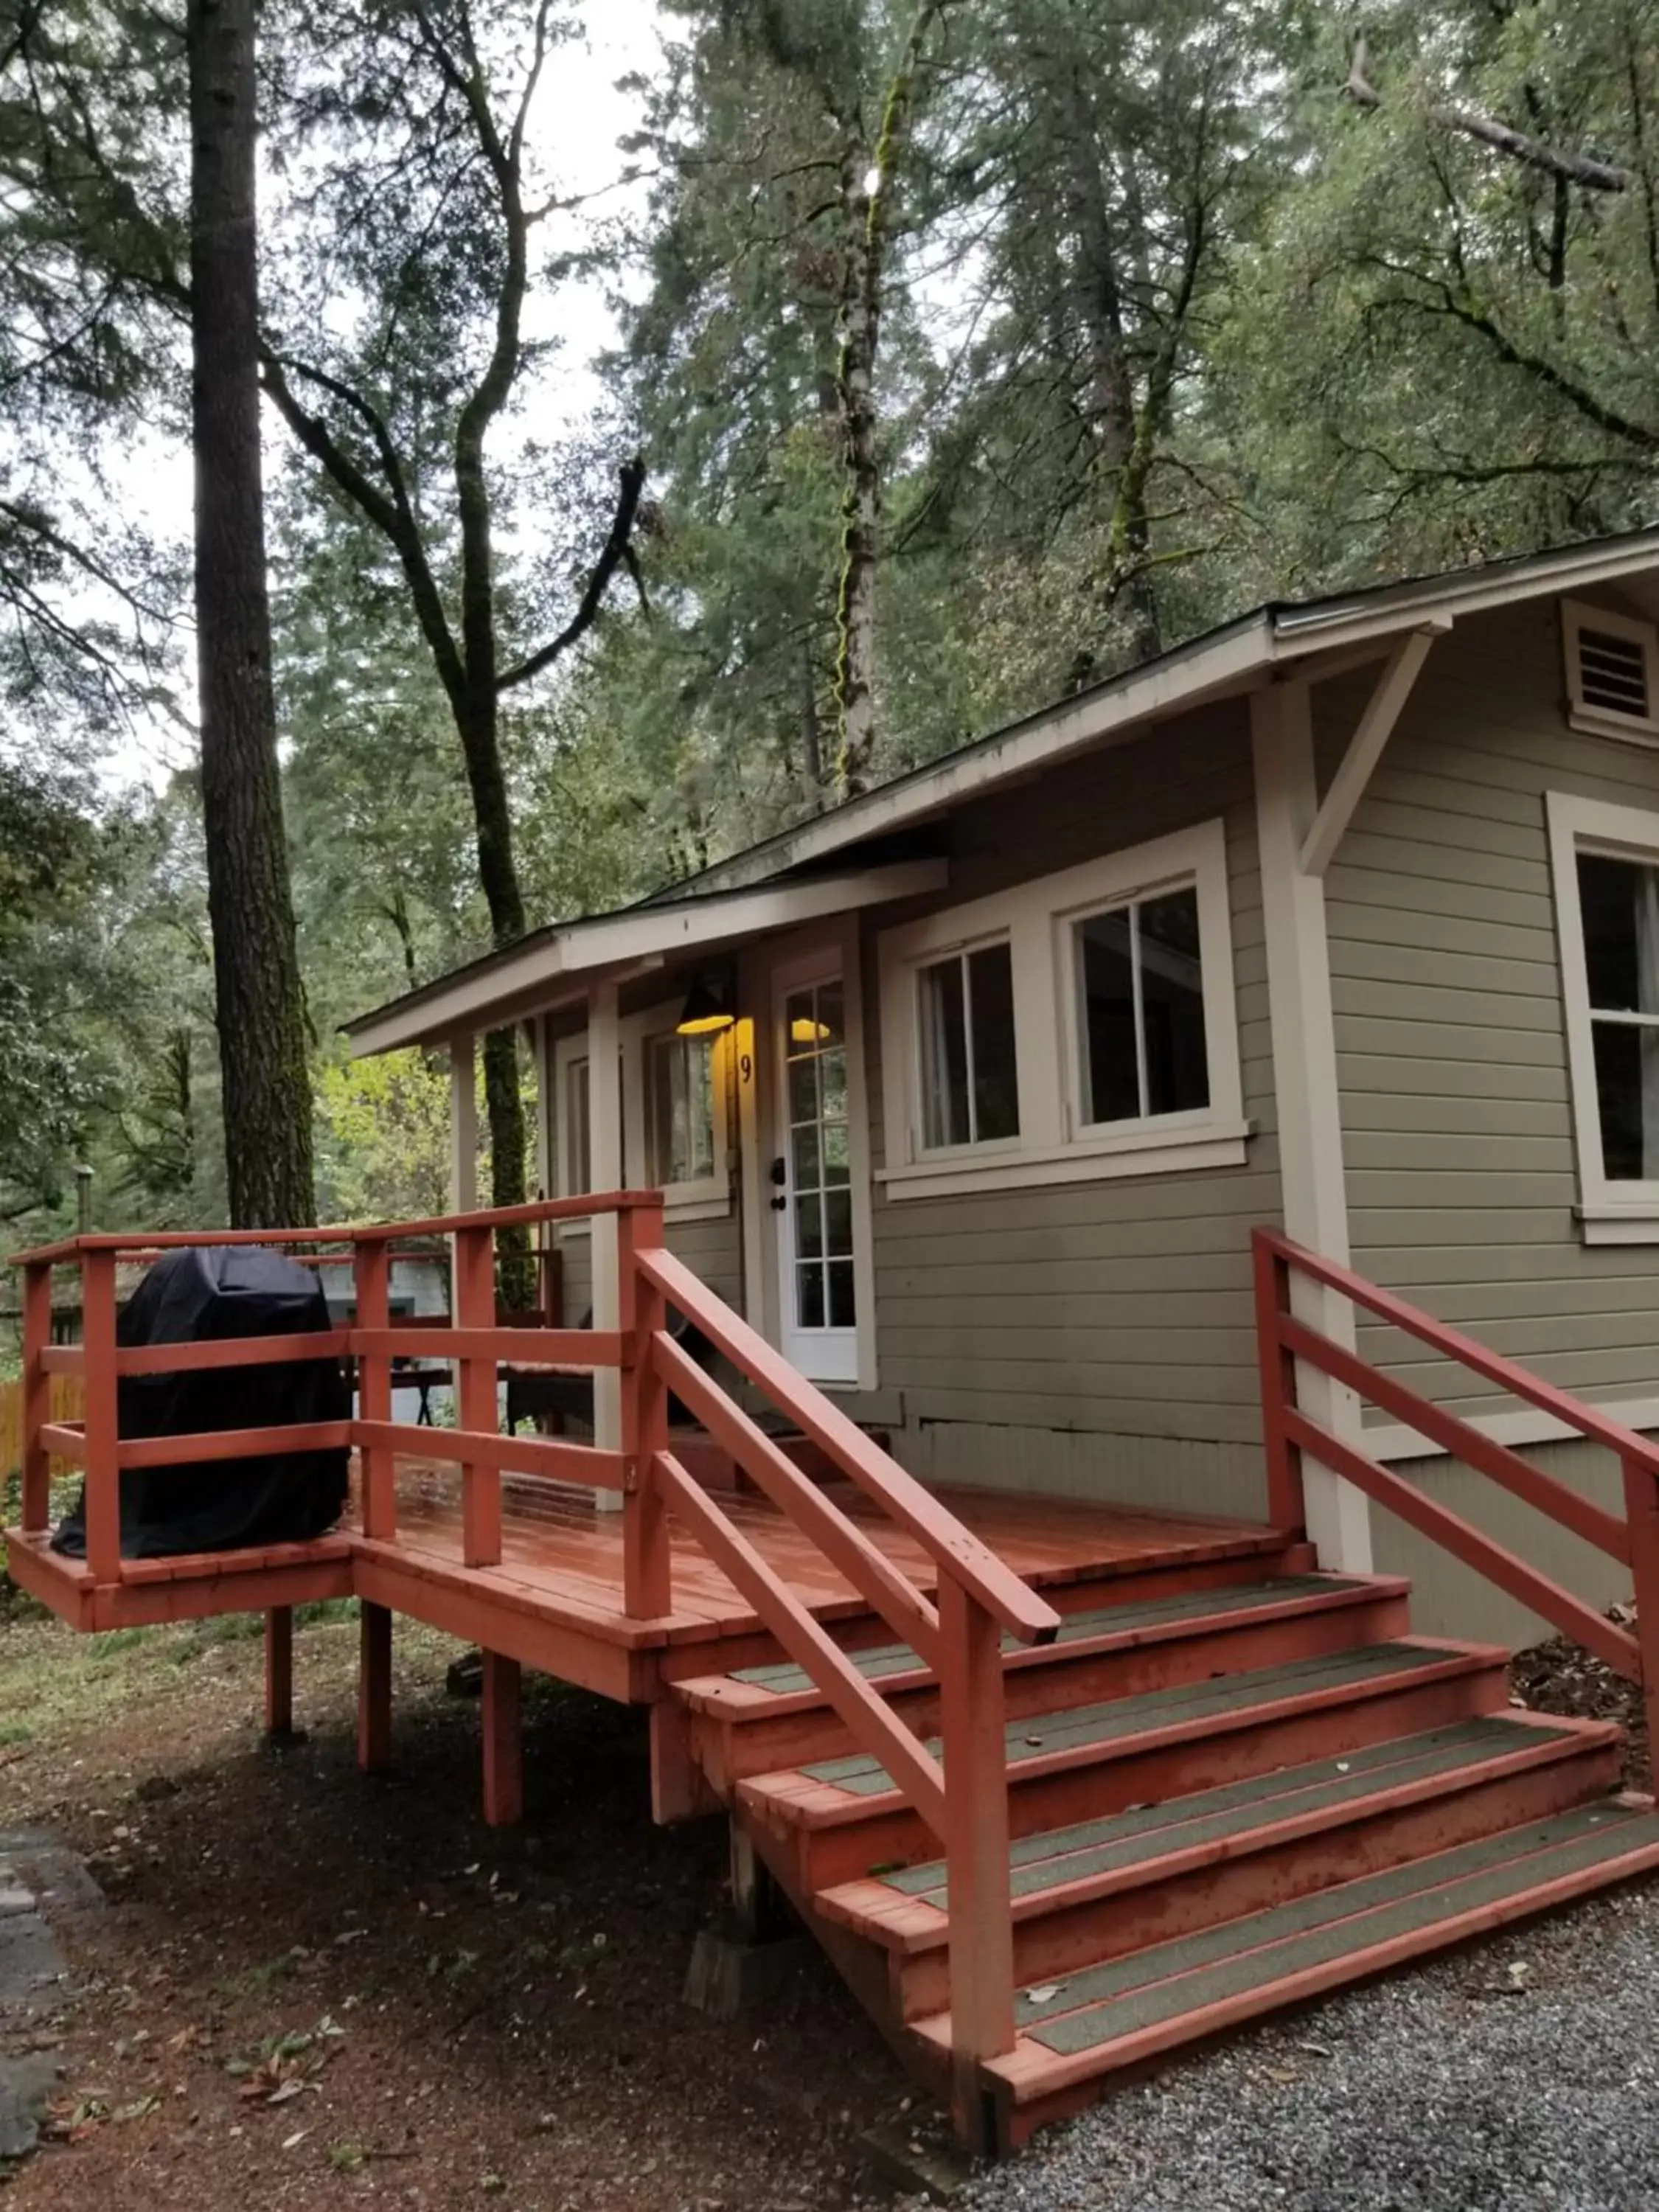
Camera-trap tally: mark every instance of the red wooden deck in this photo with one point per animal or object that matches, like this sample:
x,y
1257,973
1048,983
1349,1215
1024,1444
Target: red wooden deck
x,y
555,1598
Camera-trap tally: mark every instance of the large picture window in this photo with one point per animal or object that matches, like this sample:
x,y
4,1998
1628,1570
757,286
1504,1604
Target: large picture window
x,y
1079,1025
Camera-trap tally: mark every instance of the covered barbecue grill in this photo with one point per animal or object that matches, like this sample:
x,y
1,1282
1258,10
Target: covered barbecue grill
x,y
207,1295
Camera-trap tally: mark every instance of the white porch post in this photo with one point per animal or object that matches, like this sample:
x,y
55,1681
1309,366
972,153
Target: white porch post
x,y
606,1142
463,1126
1305,1088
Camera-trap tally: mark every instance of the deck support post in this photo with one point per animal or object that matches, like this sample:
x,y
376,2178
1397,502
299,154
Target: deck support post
x,y
973,1727
102,1430
760,1911
503,1741
375,1688
279,1671
678,1790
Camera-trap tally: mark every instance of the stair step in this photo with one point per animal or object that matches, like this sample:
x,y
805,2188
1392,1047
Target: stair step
x,y
1134,2005
1087,1730
908,1906
1103,1628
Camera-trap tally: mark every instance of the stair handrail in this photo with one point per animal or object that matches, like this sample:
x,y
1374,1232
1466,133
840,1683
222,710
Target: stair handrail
x,y
1290,1433
964,1802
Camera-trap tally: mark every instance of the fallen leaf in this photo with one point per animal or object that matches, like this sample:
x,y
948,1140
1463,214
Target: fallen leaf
x,y
1045,1993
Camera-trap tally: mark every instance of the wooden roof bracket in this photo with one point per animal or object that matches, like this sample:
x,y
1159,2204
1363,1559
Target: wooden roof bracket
x,y
1371,733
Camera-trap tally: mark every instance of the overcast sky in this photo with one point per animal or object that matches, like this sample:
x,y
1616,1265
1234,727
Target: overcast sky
x,y
580,117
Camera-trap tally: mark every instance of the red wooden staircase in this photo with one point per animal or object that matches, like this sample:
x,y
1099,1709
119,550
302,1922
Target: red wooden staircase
x,y
1222,1799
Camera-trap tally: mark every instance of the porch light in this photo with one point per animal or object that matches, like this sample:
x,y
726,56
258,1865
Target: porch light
x,y
707,1007
804,1030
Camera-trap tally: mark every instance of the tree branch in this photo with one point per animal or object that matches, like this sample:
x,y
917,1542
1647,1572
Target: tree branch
x,y
390,511
619,552
1583,169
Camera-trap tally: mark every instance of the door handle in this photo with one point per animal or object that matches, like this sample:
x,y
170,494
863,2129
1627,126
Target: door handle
x,y
779,1203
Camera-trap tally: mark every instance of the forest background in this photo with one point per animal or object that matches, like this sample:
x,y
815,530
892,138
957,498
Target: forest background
x,y
880,372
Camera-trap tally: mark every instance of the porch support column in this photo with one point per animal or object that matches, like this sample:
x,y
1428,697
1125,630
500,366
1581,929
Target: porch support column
x,y
462,1125
1303,1034
605,1143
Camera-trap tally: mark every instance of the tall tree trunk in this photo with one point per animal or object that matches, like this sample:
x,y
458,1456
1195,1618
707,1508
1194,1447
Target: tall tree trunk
x,y
866,202
260,1005
1126,586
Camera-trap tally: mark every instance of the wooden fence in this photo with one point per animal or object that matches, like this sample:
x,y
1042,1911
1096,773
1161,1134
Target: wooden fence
x,y
67,1404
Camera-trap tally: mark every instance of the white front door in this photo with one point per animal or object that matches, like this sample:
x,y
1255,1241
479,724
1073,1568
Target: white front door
x,y
811,1176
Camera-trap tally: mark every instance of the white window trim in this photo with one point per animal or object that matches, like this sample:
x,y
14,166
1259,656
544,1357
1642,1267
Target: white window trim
x,y
709,1198
1578,615
1608,1213
1054,1144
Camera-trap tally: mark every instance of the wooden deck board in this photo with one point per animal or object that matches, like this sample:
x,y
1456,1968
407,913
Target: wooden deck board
x,y
562,1559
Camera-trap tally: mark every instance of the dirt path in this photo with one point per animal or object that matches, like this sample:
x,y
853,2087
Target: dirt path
x,y
307,1988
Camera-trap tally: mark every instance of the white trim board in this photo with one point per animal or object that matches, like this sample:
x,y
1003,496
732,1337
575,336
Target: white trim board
x,y
528,979
1527,1425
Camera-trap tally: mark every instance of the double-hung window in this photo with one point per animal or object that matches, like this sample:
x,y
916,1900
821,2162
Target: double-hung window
x,y
672,1090
1079,1025
679,1110
1605,865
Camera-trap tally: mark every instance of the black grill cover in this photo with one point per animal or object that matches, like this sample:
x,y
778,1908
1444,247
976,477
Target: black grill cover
x,y
204,1296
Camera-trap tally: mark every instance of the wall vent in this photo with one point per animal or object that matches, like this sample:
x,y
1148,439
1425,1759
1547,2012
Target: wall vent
x,y
1612,671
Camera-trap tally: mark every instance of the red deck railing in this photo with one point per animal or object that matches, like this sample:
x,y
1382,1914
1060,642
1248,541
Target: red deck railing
x,y
962,1799
1290,1433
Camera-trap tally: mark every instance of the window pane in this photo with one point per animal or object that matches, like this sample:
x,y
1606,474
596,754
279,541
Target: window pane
x,y
1621,903
944,1055
803,1090
832,1020
679,1108
806,1146
996,1088
1627,1100
837,1162
841,1313
838,1223
1111,1084
809,1225
1172,1006
809,1296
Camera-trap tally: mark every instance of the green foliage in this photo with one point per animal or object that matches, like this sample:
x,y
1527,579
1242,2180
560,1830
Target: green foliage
x,y
384,1151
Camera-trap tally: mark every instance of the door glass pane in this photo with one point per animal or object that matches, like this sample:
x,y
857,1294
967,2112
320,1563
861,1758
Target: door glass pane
x,y
838,1223
820,1214
1111,1082
990,1002
803,1090
804,1144
809,1225
1172,1005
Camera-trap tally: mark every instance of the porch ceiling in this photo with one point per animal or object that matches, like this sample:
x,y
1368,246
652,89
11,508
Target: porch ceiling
x,y
559,966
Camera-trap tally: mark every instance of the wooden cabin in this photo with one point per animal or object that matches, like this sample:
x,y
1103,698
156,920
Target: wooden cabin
x,y
1161,1196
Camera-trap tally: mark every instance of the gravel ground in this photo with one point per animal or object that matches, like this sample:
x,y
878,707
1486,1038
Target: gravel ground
x,y
1522,2076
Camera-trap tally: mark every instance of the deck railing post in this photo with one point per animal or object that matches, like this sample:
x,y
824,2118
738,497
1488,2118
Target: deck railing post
x,y
103,1487
37,1395
977,1852
372,1268
1642,1513
647,1562
475,1308
1286,1509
